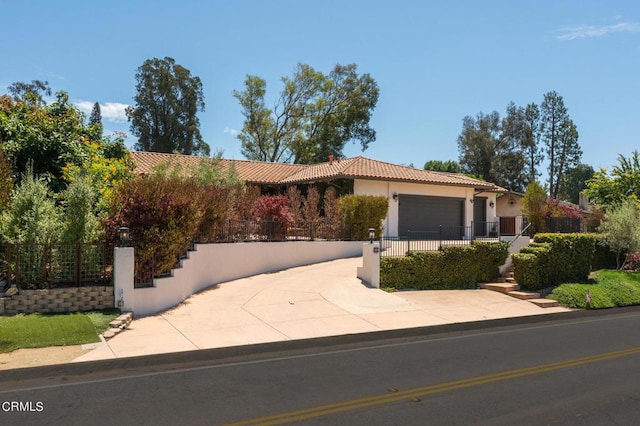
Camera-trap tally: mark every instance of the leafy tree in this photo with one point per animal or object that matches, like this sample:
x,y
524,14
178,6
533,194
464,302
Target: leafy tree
x,y
32,93
560,136
46,136
575,181
167,100
315,115
607,190
477,145
620,229
95,121
448,166
534,206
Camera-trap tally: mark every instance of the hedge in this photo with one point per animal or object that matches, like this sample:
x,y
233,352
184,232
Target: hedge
x,y
451,268
554,258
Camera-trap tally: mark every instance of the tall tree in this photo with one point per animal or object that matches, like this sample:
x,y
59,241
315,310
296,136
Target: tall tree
x,y
95,120
448,166
510,159
167,100
477,145
560,136
574,181
32,93
532,147
314,116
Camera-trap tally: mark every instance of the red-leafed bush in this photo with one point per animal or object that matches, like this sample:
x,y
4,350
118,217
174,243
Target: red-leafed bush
x,y
556,208
632,262
275,210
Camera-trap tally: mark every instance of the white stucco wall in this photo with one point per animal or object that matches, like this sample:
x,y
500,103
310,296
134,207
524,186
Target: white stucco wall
x,y
507,209
387,189
212,264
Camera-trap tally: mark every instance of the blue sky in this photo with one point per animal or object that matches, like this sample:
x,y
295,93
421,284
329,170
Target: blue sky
x,y
434,61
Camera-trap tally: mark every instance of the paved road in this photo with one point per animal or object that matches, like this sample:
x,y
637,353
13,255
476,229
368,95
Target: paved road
x,y
579,368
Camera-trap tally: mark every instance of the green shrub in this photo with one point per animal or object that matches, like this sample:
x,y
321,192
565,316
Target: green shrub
x,y
32,216
608,289
362,212
453,267
554,258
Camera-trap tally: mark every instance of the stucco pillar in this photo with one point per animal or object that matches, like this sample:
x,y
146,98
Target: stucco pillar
x,y
123,271
369,272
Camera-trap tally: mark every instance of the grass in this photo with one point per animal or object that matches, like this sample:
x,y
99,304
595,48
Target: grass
x,y
42,330
607,289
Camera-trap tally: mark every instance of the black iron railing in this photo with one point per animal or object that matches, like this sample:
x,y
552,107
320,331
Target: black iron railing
x,y
433,239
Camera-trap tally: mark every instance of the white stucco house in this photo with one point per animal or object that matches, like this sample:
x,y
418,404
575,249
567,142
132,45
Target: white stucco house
x,y
420,202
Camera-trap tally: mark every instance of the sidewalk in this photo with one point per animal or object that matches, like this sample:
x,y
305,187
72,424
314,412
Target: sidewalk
x,y
311,301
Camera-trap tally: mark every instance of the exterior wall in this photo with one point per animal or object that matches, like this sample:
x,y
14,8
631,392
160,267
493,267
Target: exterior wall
x,y
71,299
387,189
505,210
492,212
212,264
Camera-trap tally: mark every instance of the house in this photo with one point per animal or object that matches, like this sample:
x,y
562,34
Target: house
x,y
509,210
575,217
421,203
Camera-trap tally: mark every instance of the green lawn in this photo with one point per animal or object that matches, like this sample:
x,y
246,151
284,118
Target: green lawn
x,y
607,289
41,330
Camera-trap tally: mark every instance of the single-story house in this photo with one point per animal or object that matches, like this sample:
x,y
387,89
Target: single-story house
x,y
420,201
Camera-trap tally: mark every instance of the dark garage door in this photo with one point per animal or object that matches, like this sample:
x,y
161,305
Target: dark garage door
x,y
421,217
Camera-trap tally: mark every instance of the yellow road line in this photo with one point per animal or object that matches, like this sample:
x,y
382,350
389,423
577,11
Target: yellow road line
x,y
387,398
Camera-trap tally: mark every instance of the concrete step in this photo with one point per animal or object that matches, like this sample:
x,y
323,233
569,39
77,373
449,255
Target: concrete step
x,y
524,295
545,303
510,280
501,287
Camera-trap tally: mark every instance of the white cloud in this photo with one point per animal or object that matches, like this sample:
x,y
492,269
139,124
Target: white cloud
x,y
590,31
232,132
110,111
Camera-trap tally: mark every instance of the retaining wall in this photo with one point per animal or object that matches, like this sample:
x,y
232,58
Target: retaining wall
x,y
72,299
212,264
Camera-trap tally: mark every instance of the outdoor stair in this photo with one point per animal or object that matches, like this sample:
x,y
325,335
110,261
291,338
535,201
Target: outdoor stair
x,y
510,287
118,325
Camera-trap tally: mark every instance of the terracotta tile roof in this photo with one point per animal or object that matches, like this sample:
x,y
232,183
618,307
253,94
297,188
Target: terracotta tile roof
x,y
248,171
349,168
366,168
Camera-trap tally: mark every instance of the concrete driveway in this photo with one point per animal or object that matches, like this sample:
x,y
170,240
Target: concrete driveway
x,y
318,300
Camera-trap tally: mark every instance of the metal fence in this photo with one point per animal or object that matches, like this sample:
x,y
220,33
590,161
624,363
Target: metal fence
x,y
437,237
30,265
260,230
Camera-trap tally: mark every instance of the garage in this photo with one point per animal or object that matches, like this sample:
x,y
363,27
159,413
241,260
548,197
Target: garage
x,y
421,217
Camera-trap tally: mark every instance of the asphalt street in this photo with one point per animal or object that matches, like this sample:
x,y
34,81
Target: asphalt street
x,y
578,368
